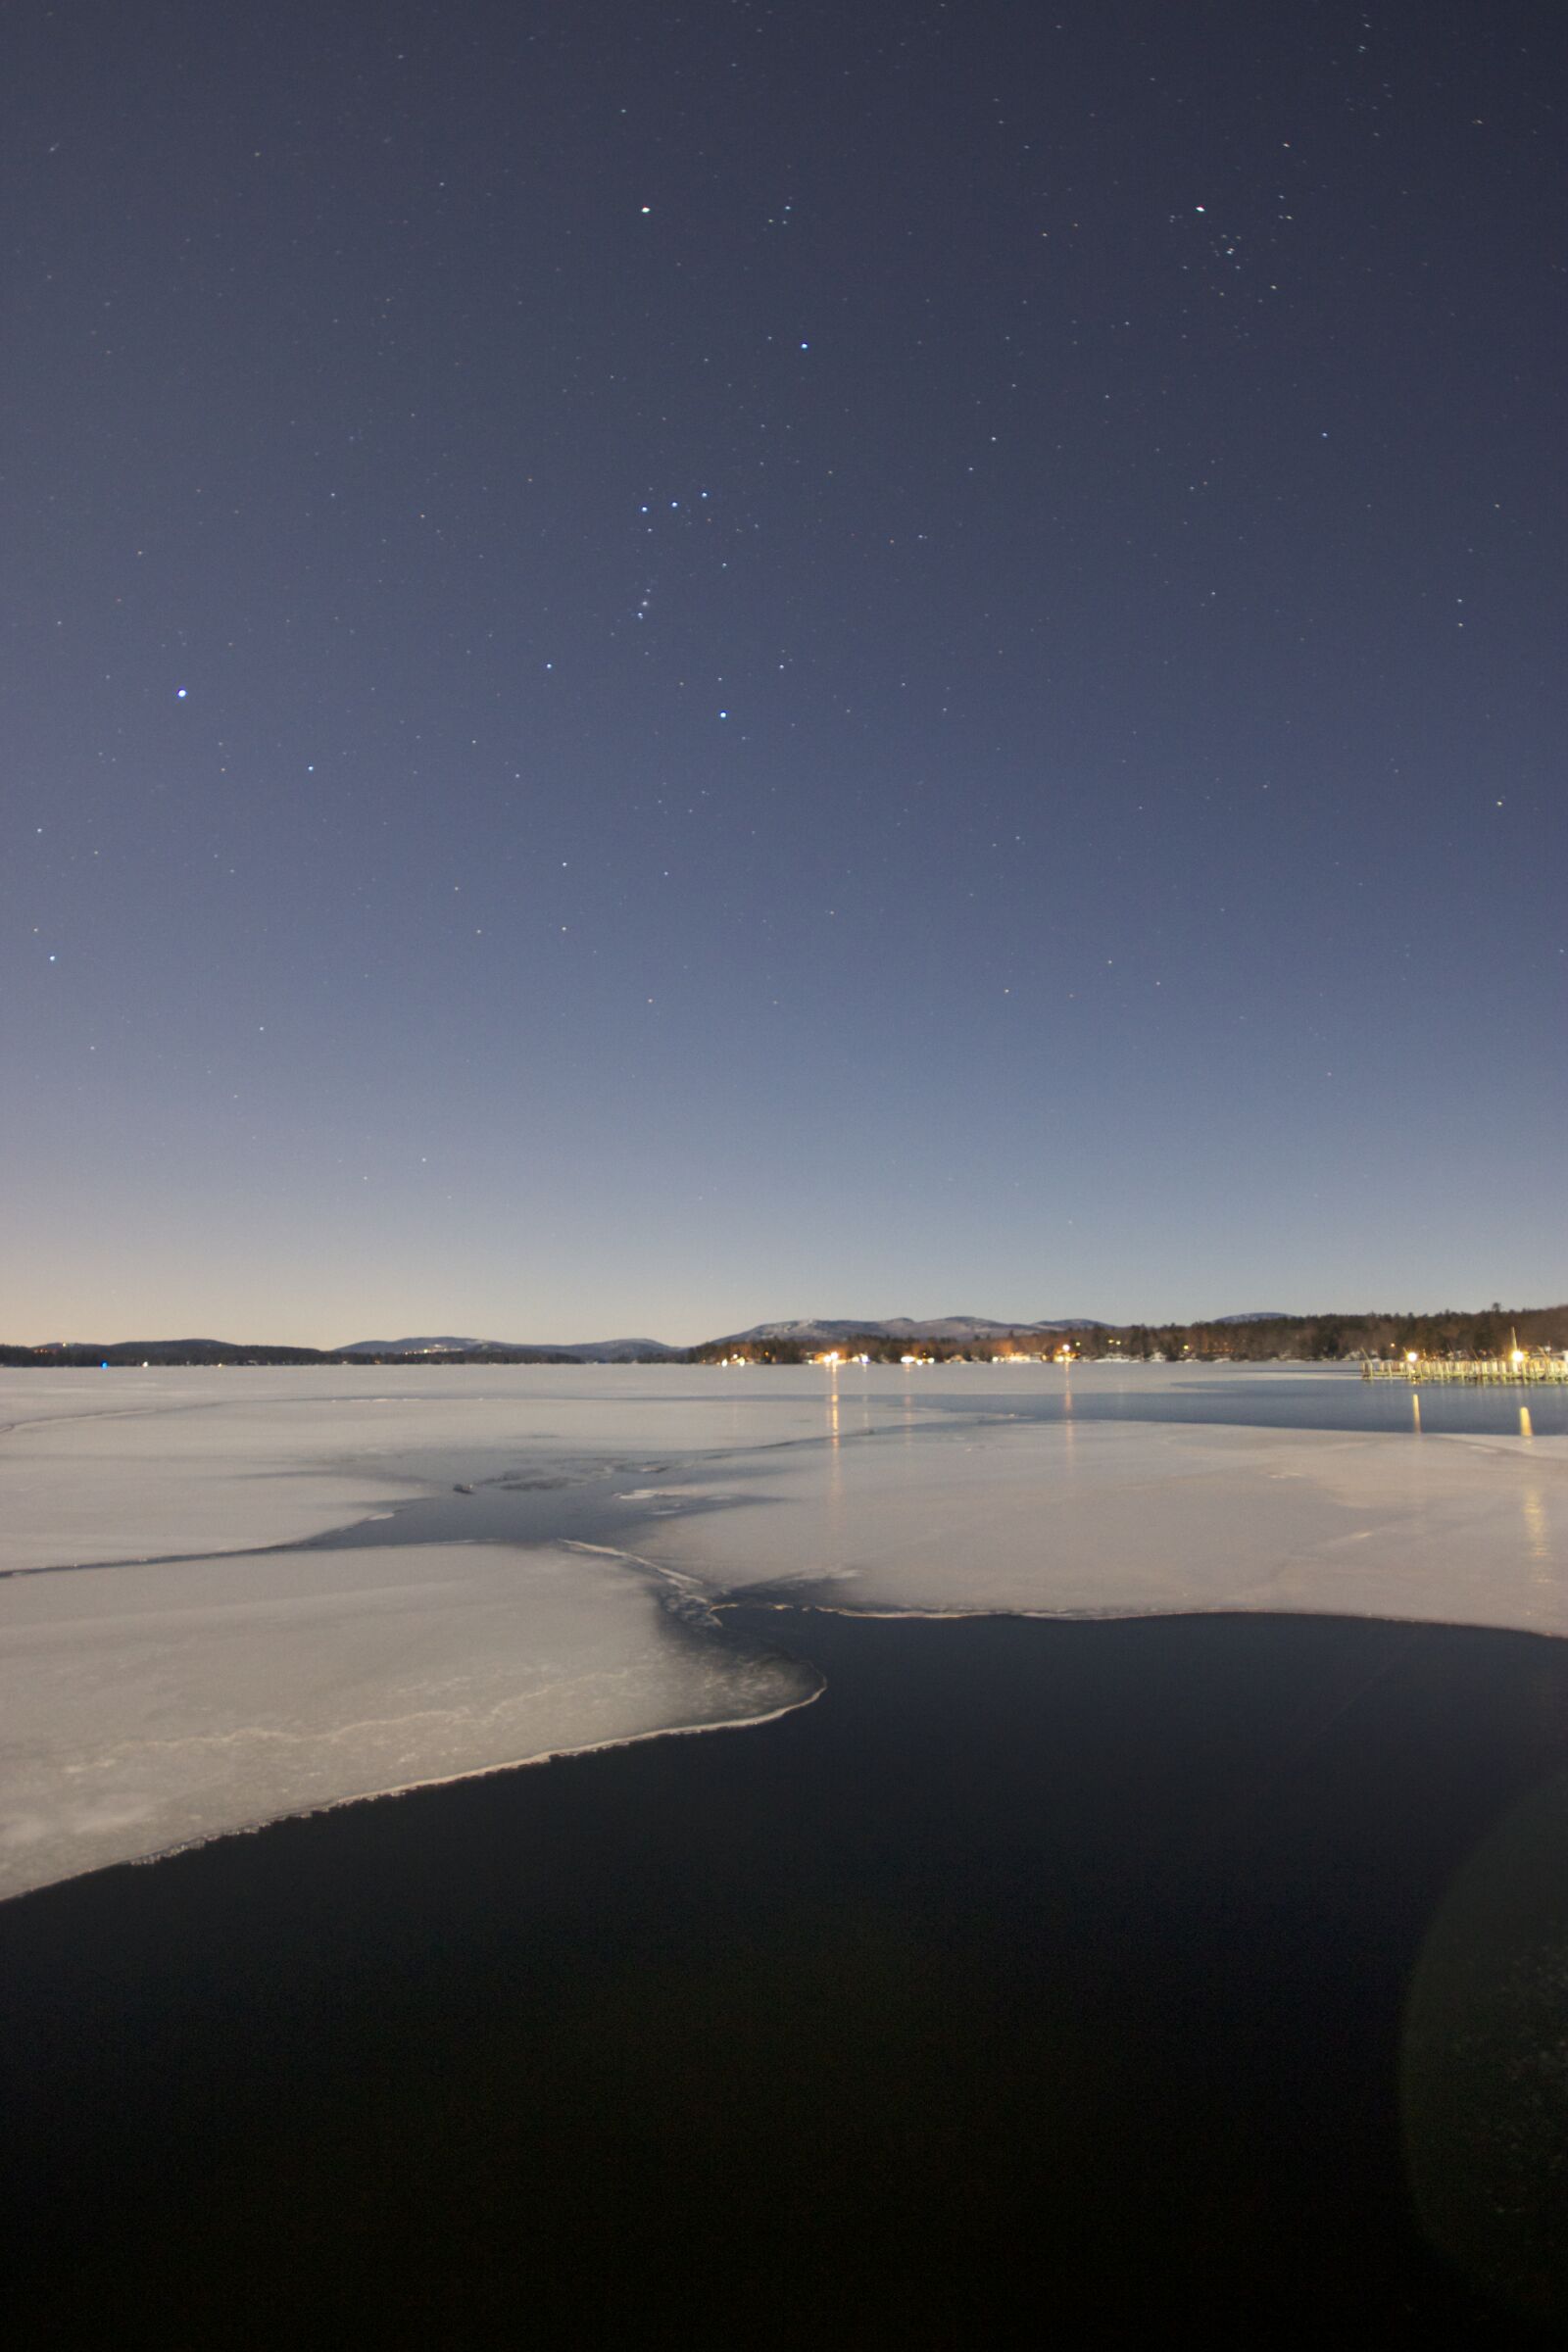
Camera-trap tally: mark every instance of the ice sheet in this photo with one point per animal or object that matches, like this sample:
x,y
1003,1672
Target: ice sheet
x,y
1108,1518
185,1680
137,1465
145,1708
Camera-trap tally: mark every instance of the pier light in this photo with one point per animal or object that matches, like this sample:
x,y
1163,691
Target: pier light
x,y
1411,1356
1518,1357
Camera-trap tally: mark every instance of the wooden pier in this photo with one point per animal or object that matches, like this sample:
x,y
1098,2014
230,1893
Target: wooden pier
x,y
1519,1370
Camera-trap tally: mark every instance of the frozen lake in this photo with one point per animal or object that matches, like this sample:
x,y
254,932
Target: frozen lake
x,y
228,1596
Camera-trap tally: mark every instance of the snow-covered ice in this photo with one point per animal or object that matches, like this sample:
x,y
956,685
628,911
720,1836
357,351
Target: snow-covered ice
x,y
146,1708
523,1558
1115,1518
127,1466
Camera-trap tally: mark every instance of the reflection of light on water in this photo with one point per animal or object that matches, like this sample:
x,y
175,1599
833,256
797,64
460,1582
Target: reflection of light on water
x,y
1415,1410
835,1465
1537,1547
906,1423
1533,1511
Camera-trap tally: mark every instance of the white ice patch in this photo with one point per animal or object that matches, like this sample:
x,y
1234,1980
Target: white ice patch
x,y
144,1708
1065,1518
132,1465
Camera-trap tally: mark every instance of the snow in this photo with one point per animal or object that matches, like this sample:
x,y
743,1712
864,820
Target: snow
x,y
535,1549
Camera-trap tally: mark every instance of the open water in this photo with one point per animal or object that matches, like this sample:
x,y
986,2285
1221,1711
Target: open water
x,y
1081,1981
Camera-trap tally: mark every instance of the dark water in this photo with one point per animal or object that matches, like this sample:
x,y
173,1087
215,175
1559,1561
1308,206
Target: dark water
x,y
1278,1400
1040,1980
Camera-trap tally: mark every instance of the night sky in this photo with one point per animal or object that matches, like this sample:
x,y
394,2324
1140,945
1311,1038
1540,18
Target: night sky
x,y
672,665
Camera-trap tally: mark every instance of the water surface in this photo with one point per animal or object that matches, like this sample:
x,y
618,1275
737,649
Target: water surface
x,y
1040,1974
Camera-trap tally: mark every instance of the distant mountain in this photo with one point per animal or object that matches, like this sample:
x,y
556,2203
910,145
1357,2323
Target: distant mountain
x,y
119,1353
584,1352
1235,1338
957,1330
443,1346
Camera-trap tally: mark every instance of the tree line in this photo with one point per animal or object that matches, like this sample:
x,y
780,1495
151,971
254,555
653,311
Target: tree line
x,y
1297,1339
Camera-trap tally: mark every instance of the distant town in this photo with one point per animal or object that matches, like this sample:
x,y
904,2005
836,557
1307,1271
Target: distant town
x,y
1454,1334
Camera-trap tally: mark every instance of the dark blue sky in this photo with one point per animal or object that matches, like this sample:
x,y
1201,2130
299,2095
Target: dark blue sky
x,y
676,664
